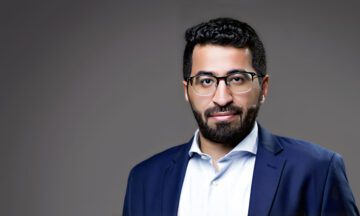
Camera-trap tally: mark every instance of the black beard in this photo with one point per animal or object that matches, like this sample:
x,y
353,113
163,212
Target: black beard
x,y
226,133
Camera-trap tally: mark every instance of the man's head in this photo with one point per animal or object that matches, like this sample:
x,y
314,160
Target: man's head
x,y
224,32
226,107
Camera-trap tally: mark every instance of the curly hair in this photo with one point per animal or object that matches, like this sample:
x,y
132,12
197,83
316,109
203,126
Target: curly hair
x,y
224,32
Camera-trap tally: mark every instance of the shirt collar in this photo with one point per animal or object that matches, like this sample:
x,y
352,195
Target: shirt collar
x,y
248,144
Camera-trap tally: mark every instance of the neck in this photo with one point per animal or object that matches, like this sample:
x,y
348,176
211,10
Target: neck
x,y
215,150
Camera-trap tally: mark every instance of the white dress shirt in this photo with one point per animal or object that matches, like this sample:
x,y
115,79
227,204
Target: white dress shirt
x,y
226,192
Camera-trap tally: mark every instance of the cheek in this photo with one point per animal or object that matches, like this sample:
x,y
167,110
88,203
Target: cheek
x,y
247,100
200,103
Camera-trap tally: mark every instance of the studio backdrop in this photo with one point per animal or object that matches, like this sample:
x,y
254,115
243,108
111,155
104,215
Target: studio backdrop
x,y
88,89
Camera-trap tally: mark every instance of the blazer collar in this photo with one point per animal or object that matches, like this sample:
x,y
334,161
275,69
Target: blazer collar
x,y
173,180
268,141
268,169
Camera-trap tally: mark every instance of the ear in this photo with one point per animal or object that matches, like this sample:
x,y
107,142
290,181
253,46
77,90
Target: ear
x,y
265,88
185,90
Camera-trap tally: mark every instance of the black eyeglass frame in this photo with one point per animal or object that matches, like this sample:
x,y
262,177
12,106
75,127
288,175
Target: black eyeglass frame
x,y
253,75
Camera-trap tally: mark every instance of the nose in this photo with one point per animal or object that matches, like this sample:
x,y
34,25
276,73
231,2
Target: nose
x,y
222,95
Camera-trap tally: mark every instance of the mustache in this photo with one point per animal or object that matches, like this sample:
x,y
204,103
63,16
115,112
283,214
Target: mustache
x,y
229,108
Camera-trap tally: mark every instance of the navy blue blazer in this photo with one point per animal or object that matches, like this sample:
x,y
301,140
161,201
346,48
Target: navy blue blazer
x,y
291,177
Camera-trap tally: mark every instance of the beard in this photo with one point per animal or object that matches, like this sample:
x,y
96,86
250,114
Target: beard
x,y
227,133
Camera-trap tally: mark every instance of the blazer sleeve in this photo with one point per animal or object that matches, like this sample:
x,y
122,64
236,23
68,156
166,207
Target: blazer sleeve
x,y
338,198
128,196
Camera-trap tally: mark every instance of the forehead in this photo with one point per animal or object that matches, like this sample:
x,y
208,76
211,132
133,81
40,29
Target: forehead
x,y
220,59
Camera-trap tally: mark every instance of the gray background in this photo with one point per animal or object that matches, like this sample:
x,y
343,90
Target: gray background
x,y
88,89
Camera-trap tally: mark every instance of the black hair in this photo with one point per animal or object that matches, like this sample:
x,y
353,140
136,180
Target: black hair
x,y
224,32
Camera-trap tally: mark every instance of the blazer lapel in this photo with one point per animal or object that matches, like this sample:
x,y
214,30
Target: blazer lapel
x,y
173,181
267,173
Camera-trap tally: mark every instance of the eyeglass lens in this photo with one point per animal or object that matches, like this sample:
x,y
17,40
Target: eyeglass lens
x,y
207,84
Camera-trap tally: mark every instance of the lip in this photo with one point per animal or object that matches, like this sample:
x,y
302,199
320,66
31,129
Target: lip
x,y
222,116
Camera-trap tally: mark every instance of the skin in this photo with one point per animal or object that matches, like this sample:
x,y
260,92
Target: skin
x,y
219,60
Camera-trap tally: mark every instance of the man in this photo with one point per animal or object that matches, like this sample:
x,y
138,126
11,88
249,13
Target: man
x,y
233,166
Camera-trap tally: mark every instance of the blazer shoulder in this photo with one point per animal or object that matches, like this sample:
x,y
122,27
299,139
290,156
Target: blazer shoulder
x,y
305,150
162,159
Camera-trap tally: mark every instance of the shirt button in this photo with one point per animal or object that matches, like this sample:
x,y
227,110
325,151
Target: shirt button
x,y
215,183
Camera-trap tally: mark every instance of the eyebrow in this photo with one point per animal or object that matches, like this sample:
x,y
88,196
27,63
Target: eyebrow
x,y
236,71
210,73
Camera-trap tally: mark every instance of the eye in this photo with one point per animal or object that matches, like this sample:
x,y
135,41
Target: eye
x,y
239,79
205,81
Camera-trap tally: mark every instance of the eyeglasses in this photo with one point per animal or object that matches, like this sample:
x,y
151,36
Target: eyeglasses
x,y
205,84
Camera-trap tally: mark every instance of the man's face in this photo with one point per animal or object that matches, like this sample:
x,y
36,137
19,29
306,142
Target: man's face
x,y
224,117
